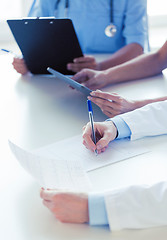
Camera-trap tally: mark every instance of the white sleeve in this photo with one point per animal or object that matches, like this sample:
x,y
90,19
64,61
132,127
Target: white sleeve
x,y
149,120
137,207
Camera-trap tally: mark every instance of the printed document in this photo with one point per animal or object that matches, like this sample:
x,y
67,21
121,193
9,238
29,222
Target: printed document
x,y
73,149
54,172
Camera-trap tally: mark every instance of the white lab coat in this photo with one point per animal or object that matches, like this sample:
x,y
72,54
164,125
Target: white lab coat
x,y
149,120
138,207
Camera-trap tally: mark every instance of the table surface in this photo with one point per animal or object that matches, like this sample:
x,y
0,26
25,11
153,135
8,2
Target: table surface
x,y
39,110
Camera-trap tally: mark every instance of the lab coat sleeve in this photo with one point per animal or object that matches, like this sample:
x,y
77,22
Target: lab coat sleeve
x,y
150,120
136,23
137,207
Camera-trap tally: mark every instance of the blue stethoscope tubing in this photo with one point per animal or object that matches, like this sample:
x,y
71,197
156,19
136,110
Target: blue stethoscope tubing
x,y
110,30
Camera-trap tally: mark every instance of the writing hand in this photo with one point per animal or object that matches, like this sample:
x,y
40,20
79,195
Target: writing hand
x,y
105,132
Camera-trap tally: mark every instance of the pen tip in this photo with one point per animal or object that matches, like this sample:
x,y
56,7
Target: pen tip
x,y
96,152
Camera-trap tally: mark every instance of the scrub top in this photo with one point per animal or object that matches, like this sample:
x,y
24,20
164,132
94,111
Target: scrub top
x,y
91,17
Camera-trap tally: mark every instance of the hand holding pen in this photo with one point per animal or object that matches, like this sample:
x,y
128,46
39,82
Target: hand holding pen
x,y
18,62
105,133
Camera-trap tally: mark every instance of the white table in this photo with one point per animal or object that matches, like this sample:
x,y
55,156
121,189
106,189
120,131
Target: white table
x,y
36,111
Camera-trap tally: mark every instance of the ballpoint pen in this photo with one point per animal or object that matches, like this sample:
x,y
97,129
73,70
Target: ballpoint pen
x,y
8,51
5,50
92,123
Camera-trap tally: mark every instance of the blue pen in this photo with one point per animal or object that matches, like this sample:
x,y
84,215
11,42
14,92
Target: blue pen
x,y
91,122
8,51
5,50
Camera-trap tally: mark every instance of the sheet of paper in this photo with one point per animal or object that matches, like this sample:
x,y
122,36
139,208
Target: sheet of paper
x,y
73,148
54,172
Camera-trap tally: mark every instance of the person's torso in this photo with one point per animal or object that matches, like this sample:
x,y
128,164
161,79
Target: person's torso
x,y
90,18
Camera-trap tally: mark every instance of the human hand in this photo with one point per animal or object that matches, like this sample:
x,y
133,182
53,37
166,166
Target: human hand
x,y
91,78
66,206
105,132
112,104
82,62
19,65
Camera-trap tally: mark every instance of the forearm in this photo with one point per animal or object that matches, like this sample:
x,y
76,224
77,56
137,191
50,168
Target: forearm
x,y
125,54
141,103
143,66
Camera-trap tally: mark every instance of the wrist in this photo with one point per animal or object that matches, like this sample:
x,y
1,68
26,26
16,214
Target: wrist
x,y
113,129
112,75
98,66
140,103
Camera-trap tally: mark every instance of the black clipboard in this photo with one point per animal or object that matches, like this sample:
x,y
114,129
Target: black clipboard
x,y
46,42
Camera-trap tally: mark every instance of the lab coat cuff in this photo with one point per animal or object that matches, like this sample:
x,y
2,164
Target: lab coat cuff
x,y
97,209
113,213
122,128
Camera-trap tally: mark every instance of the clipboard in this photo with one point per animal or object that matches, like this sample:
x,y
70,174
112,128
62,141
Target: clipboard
x,y
46,42
71,82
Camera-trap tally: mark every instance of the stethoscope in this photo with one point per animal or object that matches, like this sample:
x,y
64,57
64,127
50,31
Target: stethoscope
x,y
110,30
66,8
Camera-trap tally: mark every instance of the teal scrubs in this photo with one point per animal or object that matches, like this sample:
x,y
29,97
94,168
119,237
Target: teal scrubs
x,y
90,18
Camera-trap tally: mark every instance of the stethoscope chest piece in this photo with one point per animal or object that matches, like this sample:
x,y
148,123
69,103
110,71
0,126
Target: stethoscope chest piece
x,y
110,30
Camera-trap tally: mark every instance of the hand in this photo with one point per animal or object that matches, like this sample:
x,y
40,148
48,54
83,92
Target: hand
x,y
104,131
112,104
91,78
20,66
82,62
67,207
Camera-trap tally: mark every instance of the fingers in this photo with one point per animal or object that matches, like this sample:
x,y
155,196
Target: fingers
x,y
83,75
84,59
109,113
47,195
108,96
19,65
106,131
102,144
109,108
81,63
18,60
87,139
76,67
94,83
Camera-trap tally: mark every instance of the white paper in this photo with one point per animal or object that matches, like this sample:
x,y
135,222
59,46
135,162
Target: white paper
x,y
73,148
54,172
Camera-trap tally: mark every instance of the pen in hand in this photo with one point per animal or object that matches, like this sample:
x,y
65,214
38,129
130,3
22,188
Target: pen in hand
x,y
92,124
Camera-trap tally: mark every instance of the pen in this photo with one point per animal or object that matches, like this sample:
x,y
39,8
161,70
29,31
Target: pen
x,y
91,122
8,51
5,50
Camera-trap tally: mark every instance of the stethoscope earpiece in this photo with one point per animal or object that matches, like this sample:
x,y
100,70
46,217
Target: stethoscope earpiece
x,y
110,30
